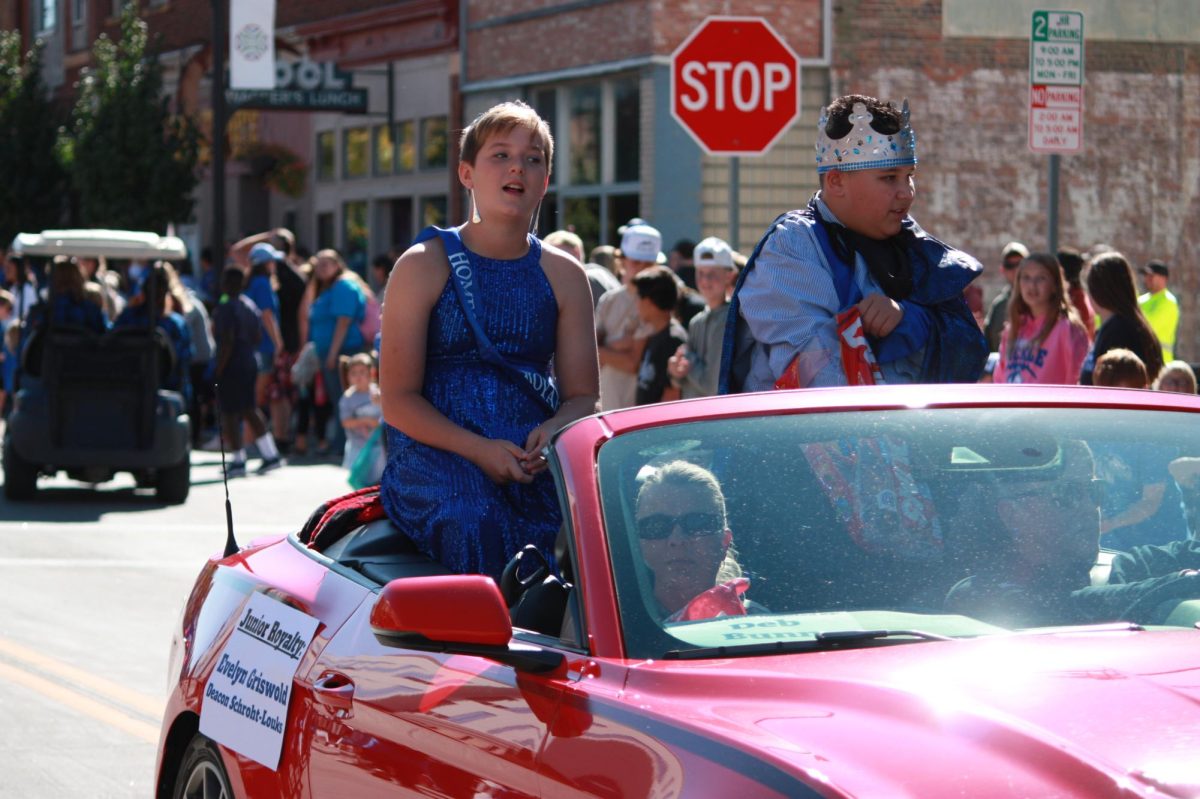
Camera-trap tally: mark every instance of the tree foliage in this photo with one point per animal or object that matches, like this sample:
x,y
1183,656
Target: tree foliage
x,y
32,183
132,163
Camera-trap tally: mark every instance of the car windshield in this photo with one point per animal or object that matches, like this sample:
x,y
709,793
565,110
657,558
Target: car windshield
x,y
760,534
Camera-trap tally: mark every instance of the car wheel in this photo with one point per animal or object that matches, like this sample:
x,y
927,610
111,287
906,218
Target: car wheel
x,y
202,774
174,482
20,476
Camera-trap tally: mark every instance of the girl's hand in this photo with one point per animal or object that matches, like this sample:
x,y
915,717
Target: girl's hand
x,y
538,437
531,459
501,461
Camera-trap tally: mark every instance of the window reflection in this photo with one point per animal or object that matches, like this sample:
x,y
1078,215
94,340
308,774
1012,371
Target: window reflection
x,y
433,143
406,146
957,522
583,214
584,130
326,155
385,151
358,152
433,210
354,218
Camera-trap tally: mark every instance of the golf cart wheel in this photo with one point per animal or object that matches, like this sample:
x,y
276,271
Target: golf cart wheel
x,y
20,476
174,482
202,775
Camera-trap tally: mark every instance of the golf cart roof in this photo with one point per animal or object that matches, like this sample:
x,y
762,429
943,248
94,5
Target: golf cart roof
x,y
135,245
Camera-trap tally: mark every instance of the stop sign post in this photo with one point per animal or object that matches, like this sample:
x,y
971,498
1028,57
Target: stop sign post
x,y
735,85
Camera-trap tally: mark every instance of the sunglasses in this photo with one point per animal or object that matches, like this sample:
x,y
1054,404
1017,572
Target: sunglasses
x,y
693,525
1067,496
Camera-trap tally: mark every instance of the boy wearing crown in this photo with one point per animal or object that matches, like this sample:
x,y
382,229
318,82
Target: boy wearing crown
x,y
850,290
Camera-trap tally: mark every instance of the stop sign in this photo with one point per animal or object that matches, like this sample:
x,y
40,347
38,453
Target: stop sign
x,y
735,85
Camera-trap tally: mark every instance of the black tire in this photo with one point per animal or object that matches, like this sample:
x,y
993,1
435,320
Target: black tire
x,y
20,476
202,774
174,482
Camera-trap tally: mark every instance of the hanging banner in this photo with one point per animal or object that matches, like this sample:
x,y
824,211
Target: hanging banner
x,y
252,44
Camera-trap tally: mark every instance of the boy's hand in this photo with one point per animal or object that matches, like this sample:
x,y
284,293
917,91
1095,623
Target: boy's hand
x,y
678,364
880,314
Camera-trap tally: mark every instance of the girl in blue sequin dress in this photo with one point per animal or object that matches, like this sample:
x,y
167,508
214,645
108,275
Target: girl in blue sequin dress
x,y
464,478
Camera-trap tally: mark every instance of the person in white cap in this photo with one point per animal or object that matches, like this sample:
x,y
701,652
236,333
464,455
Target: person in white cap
x,y
695,368
620,332
853,266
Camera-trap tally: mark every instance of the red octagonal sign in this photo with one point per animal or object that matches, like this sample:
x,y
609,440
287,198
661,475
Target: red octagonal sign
x,y
735,85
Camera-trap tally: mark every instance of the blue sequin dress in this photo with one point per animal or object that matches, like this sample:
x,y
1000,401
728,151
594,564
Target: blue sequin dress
x,y
442,501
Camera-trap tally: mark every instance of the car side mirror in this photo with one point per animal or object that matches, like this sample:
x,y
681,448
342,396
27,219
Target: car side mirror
x,y
456,614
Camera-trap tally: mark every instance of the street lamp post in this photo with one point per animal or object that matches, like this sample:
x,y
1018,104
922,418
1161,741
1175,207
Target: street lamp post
x,y
217,144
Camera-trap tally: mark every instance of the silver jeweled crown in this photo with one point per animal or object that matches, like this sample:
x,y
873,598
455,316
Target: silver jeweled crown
x,y
864,147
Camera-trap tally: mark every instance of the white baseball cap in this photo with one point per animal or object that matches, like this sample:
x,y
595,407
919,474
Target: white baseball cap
x,y
641,243
713,252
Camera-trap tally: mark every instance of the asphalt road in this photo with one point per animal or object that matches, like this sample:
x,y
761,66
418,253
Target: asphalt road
x,y
92,583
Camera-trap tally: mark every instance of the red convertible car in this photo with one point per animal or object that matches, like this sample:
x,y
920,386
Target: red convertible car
x,y
982,591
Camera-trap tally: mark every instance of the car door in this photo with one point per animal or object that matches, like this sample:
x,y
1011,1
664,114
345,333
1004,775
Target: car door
x,y
397,722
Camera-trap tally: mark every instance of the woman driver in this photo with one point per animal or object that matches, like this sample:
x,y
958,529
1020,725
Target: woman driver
x,y
686,543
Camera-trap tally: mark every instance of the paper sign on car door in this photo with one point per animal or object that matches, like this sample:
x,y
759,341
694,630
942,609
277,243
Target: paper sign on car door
x,y
246,698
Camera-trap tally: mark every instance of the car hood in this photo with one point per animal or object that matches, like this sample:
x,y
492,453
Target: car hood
x,y
1088,713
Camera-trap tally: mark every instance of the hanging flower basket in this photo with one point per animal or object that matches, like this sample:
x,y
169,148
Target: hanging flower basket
x,y
279,168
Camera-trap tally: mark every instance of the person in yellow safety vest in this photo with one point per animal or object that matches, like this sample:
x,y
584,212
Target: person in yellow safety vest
x,y
1160,306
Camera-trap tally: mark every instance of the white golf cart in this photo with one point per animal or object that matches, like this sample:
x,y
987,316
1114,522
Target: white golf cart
x,y
91,404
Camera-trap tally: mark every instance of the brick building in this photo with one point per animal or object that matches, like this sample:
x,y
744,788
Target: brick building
x,y
599,71
369,183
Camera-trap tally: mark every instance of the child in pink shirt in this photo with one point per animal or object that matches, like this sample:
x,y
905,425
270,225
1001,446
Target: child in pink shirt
x,y
1044,341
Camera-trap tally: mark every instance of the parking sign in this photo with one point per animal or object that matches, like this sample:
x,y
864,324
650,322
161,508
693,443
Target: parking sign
x,y
1056,82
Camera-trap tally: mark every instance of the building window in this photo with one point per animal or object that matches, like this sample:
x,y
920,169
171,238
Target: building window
x,y
406,146
357,152
621,208
356,235
627,113
583,214
326,156
584,130
385,151
433,143
433,211
548,215
47,14
597,128
78,12
325,237
545,102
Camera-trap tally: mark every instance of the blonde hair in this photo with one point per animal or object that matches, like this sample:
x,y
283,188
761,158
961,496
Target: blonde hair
x,y
686,474
347,362
501,119
565,238
1178,369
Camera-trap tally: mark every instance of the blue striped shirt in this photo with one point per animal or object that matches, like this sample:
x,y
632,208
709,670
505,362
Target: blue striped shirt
x,y
790,304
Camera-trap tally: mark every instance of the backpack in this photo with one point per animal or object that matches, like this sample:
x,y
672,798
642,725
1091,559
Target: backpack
x,y
371,322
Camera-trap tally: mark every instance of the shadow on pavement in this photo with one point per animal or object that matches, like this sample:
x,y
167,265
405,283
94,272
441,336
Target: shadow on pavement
x,y
79,504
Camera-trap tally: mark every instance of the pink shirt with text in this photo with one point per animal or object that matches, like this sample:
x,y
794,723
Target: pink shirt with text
x,y
1057,360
